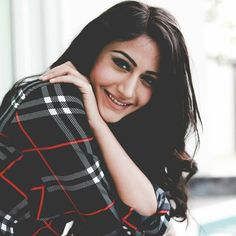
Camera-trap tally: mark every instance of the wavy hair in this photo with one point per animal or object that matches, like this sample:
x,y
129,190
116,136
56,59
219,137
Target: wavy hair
x,y
155,136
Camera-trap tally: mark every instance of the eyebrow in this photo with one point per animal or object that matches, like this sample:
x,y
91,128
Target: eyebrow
x,y
157,74
134,63
127,56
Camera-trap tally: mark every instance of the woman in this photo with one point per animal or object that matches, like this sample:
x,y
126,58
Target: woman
x,y
107,156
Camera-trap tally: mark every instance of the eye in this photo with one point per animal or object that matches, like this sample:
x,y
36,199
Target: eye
x,y
122,64
148,81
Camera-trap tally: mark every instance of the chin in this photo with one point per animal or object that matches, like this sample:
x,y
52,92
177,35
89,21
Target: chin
x,y
110,116
112,119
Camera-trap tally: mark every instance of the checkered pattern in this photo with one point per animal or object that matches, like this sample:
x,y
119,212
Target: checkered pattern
x,y
52,172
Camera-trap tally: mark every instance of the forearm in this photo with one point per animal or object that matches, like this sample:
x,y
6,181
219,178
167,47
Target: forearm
x,y
132,186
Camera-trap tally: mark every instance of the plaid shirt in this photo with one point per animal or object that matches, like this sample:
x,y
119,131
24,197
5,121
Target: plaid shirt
x,y
53,180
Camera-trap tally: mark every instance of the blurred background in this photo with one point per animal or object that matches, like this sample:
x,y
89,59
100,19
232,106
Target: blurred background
x,y
34,33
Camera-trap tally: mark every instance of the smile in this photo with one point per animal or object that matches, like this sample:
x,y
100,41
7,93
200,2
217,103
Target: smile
x,y
117,102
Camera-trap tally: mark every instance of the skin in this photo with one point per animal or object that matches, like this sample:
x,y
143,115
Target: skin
x,y
128,86
125,77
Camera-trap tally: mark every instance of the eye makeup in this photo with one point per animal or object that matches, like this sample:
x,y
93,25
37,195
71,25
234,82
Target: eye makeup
x,y
121,63
149,78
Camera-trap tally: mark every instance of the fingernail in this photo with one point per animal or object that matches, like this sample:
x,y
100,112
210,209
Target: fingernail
x,y
44,77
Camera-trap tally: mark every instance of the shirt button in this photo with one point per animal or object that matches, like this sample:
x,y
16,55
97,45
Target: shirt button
x,y
128,232
124,227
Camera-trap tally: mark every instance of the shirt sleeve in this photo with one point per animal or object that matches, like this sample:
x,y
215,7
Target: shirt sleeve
x,y
156,224
52,171
62,167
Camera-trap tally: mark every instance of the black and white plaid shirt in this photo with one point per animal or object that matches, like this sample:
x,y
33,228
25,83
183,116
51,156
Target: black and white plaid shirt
x,y
52,177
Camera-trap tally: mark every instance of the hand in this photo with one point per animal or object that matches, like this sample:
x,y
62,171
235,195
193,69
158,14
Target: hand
x,y
67,73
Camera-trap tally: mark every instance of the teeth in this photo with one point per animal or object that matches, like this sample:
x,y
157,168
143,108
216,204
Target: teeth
x,y
116,101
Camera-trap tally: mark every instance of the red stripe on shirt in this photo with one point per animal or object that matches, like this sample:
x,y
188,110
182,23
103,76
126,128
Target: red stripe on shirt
x,y
45,162
163,212
100,210
40,229
48,225
124,219
93,212
42,189
58,145
11,164
3,135
15,187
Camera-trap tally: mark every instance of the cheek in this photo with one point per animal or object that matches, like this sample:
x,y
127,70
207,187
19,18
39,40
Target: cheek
x,y
101,75
144,97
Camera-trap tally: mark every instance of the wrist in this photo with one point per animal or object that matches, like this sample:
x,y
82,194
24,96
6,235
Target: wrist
x,y
97,124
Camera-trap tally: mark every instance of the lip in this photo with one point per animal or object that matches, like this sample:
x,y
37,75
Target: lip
x,y
113,104
118,99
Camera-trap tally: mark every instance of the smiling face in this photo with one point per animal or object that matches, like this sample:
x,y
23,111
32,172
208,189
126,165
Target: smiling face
x,y
123,77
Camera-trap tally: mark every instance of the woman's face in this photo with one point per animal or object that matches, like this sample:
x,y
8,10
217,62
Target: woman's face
x,y
123,76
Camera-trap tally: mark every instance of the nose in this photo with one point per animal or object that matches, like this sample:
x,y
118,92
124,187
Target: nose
x,y
128,86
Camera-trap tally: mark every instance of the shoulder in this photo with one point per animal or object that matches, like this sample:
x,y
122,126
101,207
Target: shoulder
x,y
38,89
36,92
38,97
59,98
40,107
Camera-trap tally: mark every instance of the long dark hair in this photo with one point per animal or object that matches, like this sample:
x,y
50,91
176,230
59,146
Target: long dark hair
x,y
154,136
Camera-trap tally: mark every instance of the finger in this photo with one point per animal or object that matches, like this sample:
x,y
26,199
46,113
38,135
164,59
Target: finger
x,y
68,78
63,79
55,72
64,69
78,81
83,85
68,66
69,63
60,76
